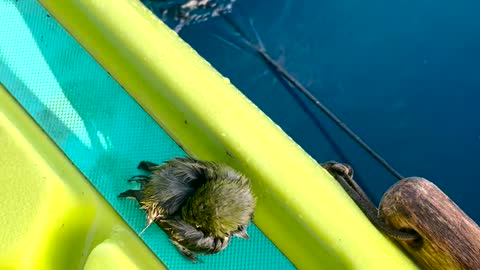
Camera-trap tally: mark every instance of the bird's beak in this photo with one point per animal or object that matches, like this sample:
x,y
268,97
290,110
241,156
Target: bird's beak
x,y
242,234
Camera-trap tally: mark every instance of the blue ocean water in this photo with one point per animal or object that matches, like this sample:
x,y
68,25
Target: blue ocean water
x,y
404,75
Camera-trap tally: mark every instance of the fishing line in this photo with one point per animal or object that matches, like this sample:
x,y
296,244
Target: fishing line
x,y
261,51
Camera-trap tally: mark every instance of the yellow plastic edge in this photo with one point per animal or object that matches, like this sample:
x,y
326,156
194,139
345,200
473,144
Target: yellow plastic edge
x,y
301,208
52,218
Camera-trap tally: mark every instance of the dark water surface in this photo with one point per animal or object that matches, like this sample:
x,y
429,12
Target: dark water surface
x,y
404,75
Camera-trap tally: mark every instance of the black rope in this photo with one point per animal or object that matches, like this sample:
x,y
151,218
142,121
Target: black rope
x,y
261,51
344,175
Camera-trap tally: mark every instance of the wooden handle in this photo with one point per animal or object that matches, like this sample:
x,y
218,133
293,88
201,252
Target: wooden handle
x,y
449,238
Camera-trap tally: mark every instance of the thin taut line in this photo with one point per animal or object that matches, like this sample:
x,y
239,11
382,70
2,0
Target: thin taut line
x,y
261,51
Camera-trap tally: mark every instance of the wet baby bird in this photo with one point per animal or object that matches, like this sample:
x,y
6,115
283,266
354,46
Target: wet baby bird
x,y
200,205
